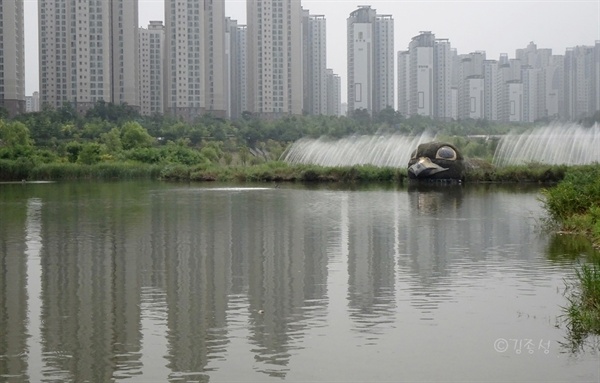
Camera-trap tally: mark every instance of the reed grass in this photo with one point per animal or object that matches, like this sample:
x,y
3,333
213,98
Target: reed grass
x,y
100,171
582,313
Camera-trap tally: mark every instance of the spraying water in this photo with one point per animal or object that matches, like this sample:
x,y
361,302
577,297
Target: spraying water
x,y
555,145
384,151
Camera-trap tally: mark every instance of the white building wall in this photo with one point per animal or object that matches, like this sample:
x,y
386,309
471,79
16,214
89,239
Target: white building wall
x,y
422,104
475,86
515,101
362,54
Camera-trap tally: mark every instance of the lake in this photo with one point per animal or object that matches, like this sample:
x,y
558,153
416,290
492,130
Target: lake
x,y
160,282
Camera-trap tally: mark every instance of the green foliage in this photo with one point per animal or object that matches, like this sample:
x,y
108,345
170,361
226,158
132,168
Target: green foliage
x,y
133,135
73,149
145,155
576,195
117,114
112,140
582,314
180,153
90,153
15,141
15,169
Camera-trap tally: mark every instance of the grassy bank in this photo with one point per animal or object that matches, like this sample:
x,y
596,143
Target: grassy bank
x,y
574,207
573,204
271,171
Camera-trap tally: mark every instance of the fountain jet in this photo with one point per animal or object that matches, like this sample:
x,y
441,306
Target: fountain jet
x,y
379,150
556,144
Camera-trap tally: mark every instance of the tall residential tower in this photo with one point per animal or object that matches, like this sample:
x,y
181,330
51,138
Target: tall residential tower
x,y
196,58
274,54
370,60
12,57
88,52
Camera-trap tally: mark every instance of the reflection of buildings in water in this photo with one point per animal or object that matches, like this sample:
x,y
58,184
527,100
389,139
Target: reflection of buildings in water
x,y
371,265
287,272
13,294
444,230
197,256
34,243
91,290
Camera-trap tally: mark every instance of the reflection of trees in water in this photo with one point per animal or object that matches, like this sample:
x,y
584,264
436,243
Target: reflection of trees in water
x,y
570,247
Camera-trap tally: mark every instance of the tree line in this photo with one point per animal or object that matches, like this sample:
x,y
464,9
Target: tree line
x,y
110,132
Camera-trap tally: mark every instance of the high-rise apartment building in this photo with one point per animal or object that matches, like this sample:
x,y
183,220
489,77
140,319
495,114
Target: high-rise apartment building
x,y
32,103
88,51
196,58
236,53
12,57
314,43
442,85
334,94
490,88
370,60
274,54
403,82
469,65
553,77
384,63
421,74
582,81
152,73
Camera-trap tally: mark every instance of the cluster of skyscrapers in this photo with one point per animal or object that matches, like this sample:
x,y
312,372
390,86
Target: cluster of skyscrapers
x,y
198,61
435,81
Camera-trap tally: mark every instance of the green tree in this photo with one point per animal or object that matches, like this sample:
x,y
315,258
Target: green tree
x,y
133,135
90,153
112,140
15,134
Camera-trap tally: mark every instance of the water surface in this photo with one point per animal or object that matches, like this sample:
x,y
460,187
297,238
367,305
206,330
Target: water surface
x,y
154,282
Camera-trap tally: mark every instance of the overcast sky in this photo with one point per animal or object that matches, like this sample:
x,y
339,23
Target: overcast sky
x,y
499,26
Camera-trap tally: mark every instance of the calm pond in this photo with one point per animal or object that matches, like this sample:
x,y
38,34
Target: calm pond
x,y
158,282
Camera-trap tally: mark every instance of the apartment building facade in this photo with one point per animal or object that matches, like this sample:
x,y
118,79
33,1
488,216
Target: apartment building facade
x,y
370,60
274,57
88,52
12,57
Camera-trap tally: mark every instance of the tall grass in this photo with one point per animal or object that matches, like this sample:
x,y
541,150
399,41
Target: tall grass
x,y
574,206
582,313
102,171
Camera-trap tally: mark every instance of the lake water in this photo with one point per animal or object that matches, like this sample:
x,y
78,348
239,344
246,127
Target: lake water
x,y
158,282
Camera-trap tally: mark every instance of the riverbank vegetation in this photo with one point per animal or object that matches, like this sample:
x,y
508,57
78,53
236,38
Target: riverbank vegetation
x,y
573,206
114,141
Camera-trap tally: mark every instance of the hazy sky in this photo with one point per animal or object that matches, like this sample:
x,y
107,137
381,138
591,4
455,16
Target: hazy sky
x,y
494,26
